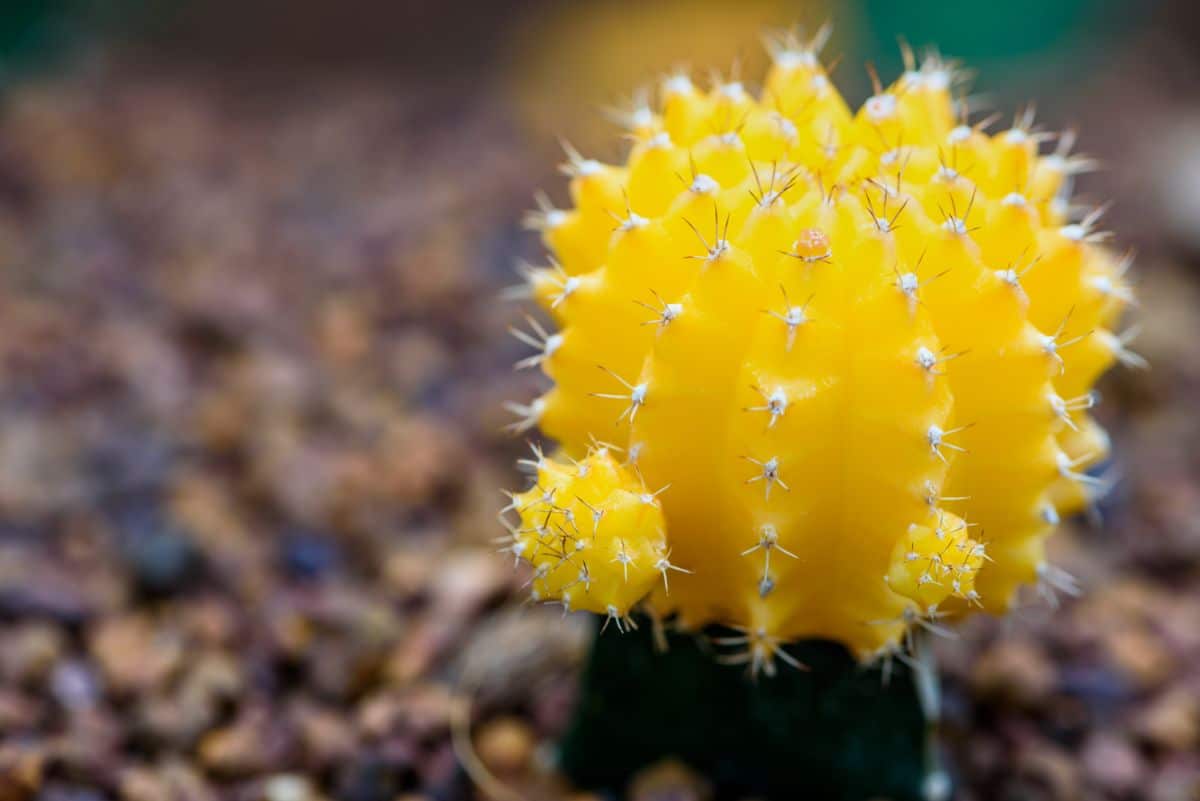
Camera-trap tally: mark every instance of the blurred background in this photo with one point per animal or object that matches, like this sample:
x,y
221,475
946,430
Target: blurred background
x,y
252,362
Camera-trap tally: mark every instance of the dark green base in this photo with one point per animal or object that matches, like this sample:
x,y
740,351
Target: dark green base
x,y
834,732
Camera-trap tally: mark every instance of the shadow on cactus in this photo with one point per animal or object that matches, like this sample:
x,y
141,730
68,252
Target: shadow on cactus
x,y
819,374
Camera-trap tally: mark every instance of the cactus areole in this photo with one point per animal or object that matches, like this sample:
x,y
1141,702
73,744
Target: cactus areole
x,y
817,373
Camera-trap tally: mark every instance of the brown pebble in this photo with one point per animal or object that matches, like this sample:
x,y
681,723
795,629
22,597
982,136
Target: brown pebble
x,y
91,744
426,710
21,771
505,745
18,711
29,653
175,719
213,673
466,579
344,330
135,655
1049,766
325,736
418,456
219,420
173,780
1013,671
251,744
378,714
1141,656
668,781
210,621
230,751
1171,721
143,784
407,571
291,633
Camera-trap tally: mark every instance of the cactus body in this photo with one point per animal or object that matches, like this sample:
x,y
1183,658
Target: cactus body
x,y
846,359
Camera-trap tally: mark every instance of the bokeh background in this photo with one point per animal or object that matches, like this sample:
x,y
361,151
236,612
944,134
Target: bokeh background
x,y
253,360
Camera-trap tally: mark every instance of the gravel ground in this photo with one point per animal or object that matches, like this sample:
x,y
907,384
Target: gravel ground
x,y
251,374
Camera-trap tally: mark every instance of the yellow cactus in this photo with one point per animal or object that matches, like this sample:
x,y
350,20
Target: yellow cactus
x,y
856,350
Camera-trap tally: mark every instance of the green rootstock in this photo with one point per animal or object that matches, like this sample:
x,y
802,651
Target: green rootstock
x,y
834,731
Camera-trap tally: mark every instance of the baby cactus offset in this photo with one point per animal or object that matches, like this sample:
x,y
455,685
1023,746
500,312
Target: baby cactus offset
x,y
594,537
818,373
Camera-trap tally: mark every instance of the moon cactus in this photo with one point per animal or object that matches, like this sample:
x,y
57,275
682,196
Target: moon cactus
x,y
818,373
